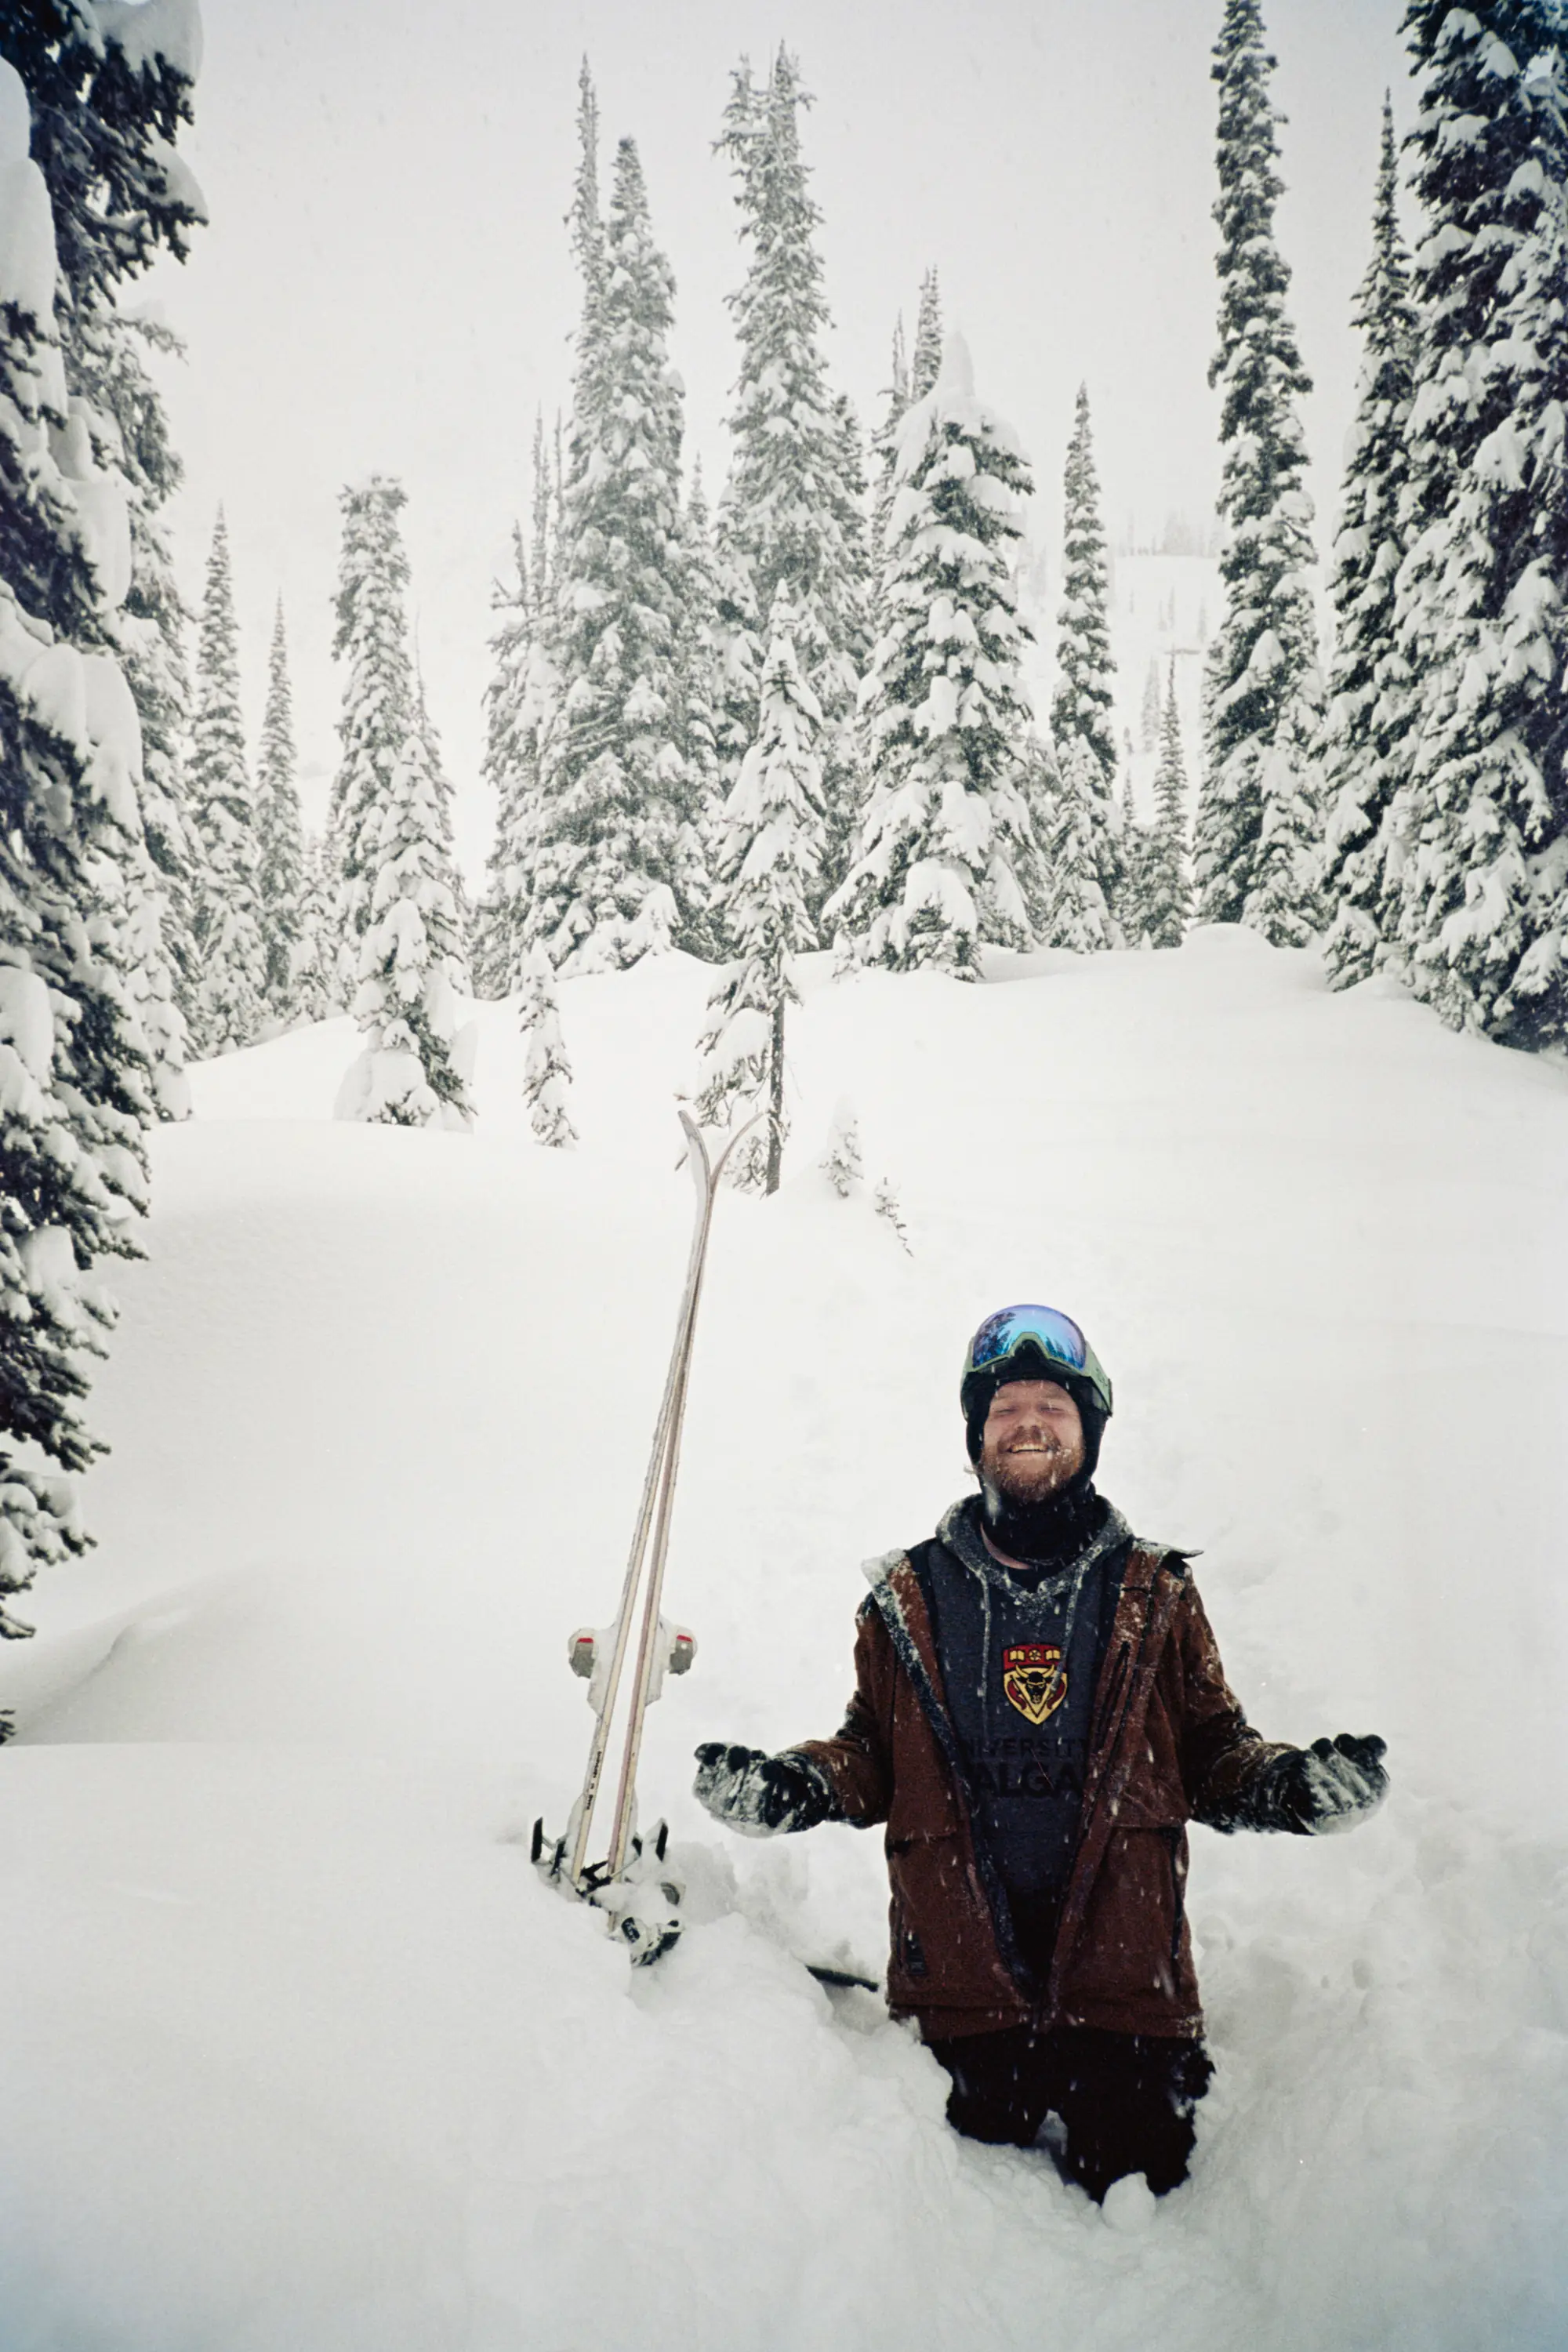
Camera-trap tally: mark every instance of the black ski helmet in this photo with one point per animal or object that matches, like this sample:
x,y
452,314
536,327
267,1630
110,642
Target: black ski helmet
x,y
1033,1343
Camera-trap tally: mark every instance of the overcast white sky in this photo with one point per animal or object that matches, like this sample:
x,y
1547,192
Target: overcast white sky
x,y
385,283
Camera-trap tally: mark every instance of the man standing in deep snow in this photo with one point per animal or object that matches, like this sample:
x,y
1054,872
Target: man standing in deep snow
x,y
1039,1709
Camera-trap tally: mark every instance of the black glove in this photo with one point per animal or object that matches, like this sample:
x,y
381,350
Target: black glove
x,y
760,1795
1329,1786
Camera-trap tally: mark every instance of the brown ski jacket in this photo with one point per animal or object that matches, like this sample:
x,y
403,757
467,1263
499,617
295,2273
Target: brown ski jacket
x,y
1169,1743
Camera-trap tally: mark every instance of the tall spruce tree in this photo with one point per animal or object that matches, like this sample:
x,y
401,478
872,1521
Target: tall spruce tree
x,y
88,114
772,845
226,920
1084,704
1257,826
1367,683
1167,892
791,523
279,838
400,913
1085,854
616,862
1482,592
945,865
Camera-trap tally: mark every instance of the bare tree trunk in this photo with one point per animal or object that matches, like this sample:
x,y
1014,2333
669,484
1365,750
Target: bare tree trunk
x,y
775,1094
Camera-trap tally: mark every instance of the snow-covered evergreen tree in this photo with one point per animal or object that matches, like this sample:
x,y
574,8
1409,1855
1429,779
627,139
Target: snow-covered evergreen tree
x,y
1167,891
400,907
109,95
1367,699
945,865
1085,853
791,523
106,373
318,962
371,643
1084,705
1135,842
547,1073
616,869
1257,823
226,919
1482,593
77,96
1039,790
413,1068
279,839
770,847
925,360
1085,875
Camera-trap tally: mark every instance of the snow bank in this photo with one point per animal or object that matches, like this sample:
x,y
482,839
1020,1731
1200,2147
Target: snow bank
x,y
299,2052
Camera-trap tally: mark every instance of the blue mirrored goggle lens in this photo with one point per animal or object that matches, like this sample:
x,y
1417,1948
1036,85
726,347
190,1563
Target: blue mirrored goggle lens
x,y
1057,1334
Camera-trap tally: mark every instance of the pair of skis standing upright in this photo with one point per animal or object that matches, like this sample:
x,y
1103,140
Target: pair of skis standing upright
x,y
632,1885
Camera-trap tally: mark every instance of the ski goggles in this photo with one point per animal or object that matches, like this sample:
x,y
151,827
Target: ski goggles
x,y
1057,1337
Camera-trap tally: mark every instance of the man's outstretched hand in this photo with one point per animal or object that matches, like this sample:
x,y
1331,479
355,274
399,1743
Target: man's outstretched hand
x,y
1329,1786
757,1794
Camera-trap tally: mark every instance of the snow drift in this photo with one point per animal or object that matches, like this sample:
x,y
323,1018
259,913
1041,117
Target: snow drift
x,y
298,2049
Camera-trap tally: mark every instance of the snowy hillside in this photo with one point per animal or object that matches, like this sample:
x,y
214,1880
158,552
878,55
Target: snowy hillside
x,y
300,2054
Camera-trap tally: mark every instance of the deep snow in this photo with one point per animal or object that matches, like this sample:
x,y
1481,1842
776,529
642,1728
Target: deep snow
x,y
299,2052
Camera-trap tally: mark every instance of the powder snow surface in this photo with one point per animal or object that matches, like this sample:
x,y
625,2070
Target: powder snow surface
x,y
299,2052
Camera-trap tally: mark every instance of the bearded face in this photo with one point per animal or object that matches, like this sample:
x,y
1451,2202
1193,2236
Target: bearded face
x,y
1033,1442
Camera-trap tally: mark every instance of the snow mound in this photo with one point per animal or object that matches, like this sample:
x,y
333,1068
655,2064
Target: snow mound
x,y
300,2052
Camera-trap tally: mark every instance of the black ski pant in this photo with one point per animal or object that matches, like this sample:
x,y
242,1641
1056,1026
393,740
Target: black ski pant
x,y
1125,2101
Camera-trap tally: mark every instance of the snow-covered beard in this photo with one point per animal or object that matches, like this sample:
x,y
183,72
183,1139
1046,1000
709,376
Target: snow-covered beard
x,y
1024,1483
